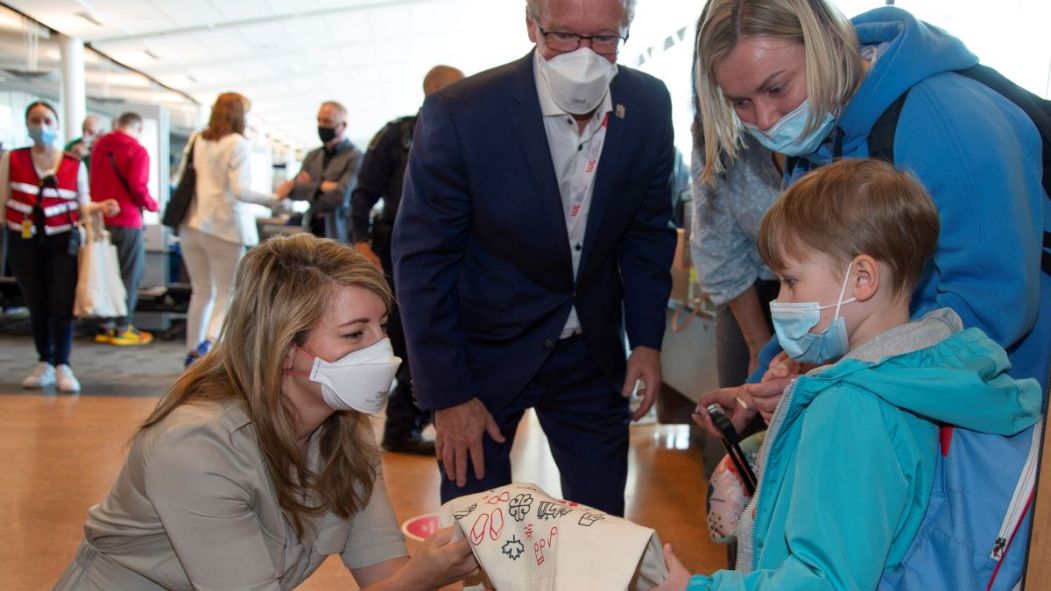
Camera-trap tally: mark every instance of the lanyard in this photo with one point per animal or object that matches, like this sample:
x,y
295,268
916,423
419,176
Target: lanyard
x,y
579,194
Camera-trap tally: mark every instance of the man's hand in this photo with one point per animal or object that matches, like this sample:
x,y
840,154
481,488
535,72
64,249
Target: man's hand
x,y
644,365
327,186
364,248
303,178
459,431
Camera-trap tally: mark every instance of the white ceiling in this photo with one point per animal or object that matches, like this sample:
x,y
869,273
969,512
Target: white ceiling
x,y
288,56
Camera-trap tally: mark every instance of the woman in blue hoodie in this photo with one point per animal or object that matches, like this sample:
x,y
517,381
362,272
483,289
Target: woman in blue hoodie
x,y
848,466
808,83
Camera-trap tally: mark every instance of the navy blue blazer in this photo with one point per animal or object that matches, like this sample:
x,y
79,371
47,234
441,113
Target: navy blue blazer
x,y
481,253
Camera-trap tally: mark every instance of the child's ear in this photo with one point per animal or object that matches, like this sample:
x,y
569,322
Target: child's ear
x,y
866,278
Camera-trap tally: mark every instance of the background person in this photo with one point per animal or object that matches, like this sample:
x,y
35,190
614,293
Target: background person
x,y
42,191
219,227
248,474
381,176
327,176
90,128
121,171
506,303
808,83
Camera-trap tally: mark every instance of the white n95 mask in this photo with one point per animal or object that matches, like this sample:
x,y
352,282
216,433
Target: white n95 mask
x,y
578,80
359,381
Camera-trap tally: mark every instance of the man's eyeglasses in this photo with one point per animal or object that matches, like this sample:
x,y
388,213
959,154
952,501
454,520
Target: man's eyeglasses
x,y
561,41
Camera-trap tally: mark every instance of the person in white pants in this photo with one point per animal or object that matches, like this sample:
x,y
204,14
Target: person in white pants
x,y
220,226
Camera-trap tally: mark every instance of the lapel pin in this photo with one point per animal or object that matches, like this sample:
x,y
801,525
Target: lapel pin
x,y
620,111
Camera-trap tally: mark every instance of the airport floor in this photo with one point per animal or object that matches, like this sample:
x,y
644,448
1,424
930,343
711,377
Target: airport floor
x,y
61,453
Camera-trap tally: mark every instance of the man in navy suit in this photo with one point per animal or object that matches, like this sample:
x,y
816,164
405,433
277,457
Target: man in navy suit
x,y
534,232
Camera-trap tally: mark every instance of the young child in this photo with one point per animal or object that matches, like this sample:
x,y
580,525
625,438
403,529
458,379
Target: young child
x,y
847,466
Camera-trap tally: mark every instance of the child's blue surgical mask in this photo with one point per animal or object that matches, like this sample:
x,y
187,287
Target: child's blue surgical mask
x,y
792,323
786,136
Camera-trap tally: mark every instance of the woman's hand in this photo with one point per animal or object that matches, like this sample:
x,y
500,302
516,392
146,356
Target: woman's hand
x,y
109,207
736,403
767,395
438,562
783,366
678,576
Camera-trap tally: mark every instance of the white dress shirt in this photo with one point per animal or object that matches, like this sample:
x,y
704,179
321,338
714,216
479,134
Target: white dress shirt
x,y
569,148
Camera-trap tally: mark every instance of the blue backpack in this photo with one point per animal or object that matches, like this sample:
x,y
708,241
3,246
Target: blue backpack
x,y
881,136
974,533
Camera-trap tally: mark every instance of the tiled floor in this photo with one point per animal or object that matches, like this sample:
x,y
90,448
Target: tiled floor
x,y
102,369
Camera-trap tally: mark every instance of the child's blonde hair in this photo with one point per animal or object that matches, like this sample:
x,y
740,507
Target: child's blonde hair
x,y
854,207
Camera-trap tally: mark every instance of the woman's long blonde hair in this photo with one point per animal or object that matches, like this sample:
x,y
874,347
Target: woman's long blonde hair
x,y
282,288
228,116
833,62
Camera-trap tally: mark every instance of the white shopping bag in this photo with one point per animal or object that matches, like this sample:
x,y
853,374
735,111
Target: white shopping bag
x,y
100,289
525,540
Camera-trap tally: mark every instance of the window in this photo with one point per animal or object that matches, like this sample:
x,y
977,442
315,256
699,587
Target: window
x,y
1009,35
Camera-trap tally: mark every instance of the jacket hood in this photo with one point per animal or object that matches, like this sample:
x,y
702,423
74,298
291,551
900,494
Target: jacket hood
x,y
908,51
934,368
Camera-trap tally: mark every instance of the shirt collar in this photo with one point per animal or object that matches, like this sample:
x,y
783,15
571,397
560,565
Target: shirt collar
x,y
548,106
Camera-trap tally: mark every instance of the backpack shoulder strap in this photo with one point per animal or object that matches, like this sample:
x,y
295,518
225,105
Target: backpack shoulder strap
x,y
881,136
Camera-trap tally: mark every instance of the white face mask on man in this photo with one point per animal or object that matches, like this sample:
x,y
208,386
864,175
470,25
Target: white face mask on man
x,y
578,80
360,380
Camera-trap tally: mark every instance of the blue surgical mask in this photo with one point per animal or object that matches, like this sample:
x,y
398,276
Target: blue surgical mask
x,y
792,323
43,136
786,136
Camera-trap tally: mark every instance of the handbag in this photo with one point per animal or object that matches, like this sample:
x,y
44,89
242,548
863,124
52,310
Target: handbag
x,y
179,203
100,288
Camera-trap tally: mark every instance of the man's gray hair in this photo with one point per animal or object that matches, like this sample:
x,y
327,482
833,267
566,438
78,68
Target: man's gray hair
x,y
338,108
535,9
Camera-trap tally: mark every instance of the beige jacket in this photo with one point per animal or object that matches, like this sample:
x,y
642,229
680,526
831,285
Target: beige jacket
x,y
194,508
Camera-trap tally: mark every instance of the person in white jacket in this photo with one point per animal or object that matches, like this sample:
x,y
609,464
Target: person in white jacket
x,y
219,226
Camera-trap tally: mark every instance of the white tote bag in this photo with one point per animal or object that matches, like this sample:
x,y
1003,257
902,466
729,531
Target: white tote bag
x,y
100,289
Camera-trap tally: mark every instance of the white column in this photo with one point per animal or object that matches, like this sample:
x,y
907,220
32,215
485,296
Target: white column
x,y
74,93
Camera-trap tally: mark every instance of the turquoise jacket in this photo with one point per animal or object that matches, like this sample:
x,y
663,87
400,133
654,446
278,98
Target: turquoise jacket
x,y
849,459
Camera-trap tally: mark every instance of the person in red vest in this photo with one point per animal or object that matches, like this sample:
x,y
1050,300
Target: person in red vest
x,y
42,192
120,171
